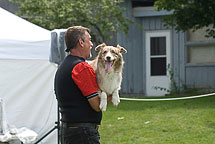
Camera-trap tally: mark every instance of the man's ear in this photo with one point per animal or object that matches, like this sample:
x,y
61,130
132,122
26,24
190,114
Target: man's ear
x,y
99,47
122,49
81,42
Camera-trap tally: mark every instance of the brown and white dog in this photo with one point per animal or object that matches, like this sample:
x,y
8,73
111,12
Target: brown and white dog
x,y
108,67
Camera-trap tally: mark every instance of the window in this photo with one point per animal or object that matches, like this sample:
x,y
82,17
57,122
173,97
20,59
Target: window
x,y
200,49
201,54
158,56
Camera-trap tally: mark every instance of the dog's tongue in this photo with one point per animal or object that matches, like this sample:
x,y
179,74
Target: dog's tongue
x,y
108,66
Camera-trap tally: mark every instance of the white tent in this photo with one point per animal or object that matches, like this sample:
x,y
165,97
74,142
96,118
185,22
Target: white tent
x,y
26,76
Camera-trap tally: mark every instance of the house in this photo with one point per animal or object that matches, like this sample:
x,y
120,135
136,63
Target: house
x,y
159,56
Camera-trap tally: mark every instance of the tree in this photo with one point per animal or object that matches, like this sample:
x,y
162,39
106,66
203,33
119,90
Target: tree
x,y
103,17
189,14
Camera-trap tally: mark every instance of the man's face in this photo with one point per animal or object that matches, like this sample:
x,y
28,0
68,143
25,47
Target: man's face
x,y
88,45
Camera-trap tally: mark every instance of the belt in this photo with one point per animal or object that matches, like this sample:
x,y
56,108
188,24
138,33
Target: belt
x,y
74,125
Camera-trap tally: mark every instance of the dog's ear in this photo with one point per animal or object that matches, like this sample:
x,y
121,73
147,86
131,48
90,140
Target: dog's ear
x,y
122,49
98,48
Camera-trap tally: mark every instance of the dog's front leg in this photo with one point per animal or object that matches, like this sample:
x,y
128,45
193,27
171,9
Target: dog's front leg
x,y
115,98
103,101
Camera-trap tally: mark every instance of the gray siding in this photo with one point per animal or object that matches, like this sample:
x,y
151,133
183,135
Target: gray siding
x,y
200,76
178,58
133,69
9,6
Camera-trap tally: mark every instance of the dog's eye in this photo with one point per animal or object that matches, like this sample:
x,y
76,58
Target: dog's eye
x,y
104,52
113,51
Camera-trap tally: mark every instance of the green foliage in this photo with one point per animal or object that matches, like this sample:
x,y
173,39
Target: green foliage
x,y
189,14
103,17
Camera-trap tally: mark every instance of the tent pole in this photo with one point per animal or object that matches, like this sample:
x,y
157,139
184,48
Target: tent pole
x,y
57,126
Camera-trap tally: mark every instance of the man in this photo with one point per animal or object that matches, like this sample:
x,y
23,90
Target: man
x,y
77,91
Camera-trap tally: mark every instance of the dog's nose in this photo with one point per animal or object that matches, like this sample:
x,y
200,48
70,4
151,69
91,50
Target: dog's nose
x,y
108,58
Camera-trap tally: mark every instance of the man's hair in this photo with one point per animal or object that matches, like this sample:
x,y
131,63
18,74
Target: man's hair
x,y
73,34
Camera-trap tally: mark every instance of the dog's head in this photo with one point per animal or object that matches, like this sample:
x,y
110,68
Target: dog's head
x,y
110,56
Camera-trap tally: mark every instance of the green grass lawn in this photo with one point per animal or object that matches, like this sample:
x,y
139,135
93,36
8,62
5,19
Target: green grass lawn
x,y
167,122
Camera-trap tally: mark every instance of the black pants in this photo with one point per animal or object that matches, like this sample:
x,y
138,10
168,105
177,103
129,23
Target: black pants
x,y
79,135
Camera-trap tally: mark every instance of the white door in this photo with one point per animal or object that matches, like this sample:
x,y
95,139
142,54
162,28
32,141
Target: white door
x,y
157,60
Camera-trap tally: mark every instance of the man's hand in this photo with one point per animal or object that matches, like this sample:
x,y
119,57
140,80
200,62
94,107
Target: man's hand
x,y
95,102
109,98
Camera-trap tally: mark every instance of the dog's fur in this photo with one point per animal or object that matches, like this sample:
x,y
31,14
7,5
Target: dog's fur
x,y
108,67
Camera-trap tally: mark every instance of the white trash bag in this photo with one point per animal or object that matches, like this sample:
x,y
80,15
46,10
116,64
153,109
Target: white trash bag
x,y
10,133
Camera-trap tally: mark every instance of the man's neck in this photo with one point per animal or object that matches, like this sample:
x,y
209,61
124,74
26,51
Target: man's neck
x,y
76,53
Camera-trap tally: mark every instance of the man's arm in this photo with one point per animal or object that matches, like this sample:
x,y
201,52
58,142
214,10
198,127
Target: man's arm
x,y
94,103
85,78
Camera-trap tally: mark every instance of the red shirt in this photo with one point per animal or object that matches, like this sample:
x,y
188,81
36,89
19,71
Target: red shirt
x,y
85,78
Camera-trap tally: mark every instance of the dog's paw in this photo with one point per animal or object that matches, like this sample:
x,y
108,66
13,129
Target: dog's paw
x,y
103,101
115,100
103,105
